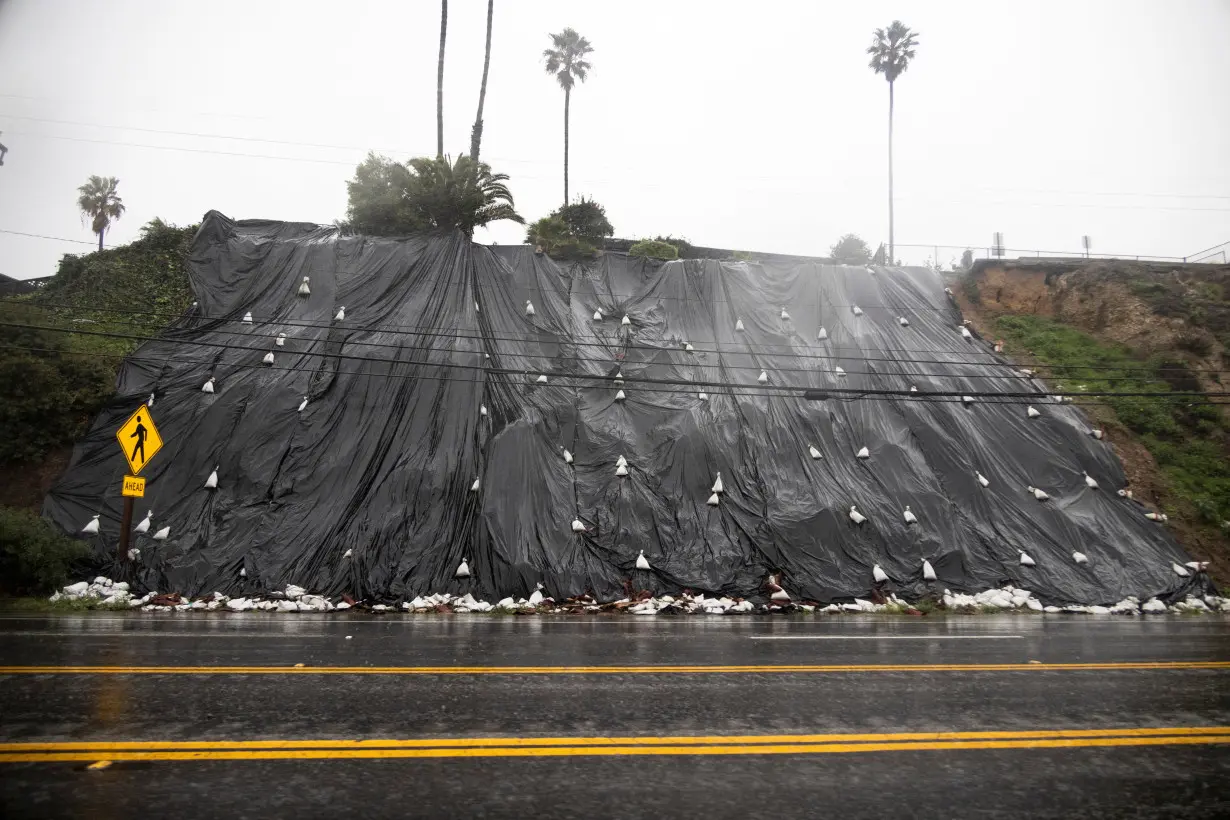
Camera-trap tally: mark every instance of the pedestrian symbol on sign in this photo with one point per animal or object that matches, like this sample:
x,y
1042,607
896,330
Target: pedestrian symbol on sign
x,y
139,439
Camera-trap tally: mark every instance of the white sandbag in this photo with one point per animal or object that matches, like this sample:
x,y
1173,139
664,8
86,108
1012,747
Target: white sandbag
x,y
982,479
618,378
1031,412
717,485
91,527
268,358
813,452
703,396
738,326
1179,570
688,347
822,335
567,457
641,561
303,404
1091,482
879,574
713,500
529,308
542,379
463,569
863,453
840,371
909,517
247,318
162,534
1098,434
150,401
280,340
856,310
621,471
577,526
305,288
785,315
145,522
620,395
965,334
928,571
597,316
474,486
625,322
340,316
1080,557
211,483
967,400
482,409
208,386
856,516
1041,495
1026,561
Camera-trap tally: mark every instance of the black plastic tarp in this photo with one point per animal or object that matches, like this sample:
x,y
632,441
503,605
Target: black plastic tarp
x,y
368,489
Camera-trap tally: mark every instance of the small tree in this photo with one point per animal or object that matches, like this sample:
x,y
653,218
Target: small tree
x,y
850,250
573,231
967,259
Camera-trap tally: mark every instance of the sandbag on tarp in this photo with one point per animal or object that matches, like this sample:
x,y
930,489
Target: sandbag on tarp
x,y
361,461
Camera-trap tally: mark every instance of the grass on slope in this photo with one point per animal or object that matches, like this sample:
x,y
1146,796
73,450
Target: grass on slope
x,y
1189,440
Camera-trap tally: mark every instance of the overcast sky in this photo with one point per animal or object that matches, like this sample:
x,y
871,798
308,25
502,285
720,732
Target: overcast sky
x,y
744,125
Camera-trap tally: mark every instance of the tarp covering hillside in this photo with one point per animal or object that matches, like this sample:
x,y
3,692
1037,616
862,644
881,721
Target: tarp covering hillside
x,y
430,381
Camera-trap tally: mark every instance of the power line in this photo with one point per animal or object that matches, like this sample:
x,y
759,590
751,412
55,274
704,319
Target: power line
x,y
606,380
746,391
609,362
606,343
43,236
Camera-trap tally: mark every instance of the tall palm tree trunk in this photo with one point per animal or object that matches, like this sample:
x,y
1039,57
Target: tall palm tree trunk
x,y
567,103
440,81
476,136
892,253
100,237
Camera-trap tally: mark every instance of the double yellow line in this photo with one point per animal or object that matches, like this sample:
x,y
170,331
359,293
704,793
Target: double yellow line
x,y
87,751
603,670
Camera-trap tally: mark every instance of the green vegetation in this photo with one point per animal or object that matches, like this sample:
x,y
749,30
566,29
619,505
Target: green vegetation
x,y
34,556
566,60
55,382
1203,304
101,203
850,250
1190,440
388,198
572,232
653,249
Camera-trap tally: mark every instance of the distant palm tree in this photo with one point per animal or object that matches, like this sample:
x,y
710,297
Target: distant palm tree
x,y
891,52
440,81
567,62
100,202
476,135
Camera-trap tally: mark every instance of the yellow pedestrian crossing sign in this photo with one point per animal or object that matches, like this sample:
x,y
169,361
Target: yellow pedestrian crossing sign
x,y
139,439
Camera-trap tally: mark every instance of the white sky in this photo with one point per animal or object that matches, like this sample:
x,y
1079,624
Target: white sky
x,y
741,125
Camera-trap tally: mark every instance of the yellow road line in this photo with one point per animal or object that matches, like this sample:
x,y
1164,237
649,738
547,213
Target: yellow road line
x,y
584,751
601,670
670,740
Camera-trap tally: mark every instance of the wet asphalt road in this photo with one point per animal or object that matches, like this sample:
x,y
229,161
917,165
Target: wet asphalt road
x,y
486,692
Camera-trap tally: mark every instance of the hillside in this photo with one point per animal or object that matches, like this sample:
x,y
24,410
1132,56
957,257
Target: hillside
x,y
54,383
1130,327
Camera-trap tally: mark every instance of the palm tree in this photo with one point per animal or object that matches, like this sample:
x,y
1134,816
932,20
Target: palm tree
x,y
567,62
100,202
440,81
476,135
891,52
462,195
